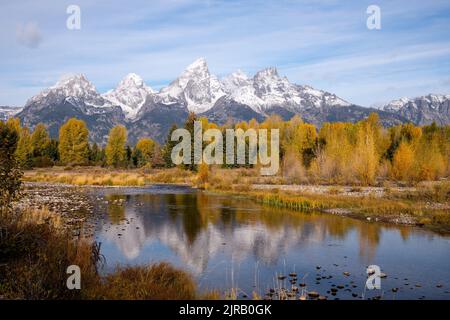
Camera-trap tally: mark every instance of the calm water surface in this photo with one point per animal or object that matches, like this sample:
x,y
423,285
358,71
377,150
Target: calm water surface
x,y
227,242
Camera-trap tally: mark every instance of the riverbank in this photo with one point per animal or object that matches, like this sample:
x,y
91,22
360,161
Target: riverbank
x,y
98,176
37,249
433,216
426,204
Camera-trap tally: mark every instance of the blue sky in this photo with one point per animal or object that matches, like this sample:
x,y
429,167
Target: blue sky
x,y
325,44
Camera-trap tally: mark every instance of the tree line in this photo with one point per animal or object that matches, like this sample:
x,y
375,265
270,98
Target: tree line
x,y
339,152
38,149
361,153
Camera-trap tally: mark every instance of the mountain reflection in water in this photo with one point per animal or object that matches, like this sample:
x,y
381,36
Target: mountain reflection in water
x,y
226,240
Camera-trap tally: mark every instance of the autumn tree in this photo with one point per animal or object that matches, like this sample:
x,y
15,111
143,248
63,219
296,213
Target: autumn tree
x,y
300,139
40,142
115,150
73,142
10,173
365,155
144,152
14,123
23,152
430,161
334,153
403,160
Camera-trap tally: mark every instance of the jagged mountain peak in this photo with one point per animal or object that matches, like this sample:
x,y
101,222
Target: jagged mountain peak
x,y
239,74
270,72
132,80
130,94
196,71
75,85
422,110
195,87
430,99
198,64
69,78
235,80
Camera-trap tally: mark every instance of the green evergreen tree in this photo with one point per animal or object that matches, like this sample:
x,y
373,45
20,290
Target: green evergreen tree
x,y
167,149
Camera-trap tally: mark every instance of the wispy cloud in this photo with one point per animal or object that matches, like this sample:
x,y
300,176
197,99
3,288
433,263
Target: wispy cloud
x,y
29,35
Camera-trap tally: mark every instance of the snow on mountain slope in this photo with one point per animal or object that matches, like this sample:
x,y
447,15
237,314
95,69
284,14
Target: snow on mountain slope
x,y
76,89
422,110
130,94
7,112
431,100
236,97
267,90
195,87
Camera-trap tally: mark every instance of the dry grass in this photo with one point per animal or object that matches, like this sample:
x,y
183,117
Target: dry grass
x,y
36,252
95,176
155,282
383,209
427,205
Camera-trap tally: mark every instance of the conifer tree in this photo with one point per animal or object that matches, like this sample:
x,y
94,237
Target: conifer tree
x,y
167,149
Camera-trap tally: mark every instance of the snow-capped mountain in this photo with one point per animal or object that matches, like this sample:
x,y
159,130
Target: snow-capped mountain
x,y
130,94
74,88
72,97
195,87
422,110
7,112
238,97
267,90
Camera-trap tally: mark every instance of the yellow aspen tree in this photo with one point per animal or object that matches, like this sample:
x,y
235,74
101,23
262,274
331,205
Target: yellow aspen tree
x,y
403,161
74,142
116,147
146,148
40,140
24,148
429,161
14,123
366,157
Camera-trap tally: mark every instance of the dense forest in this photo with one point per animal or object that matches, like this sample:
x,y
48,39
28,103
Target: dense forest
x,y
348,153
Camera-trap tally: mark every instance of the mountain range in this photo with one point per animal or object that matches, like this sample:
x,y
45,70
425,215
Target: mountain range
x,y
150,113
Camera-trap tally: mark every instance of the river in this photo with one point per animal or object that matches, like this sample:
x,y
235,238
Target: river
x,y
229,242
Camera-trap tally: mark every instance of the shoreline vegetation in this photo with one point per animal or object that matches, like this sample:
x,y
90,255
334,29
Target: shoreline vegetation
x,y
424,204
36,250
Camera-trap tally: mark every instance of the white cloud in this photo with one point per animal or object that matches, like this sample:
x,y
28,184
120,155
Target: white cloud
x,y
29,35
